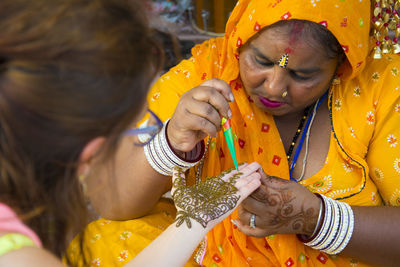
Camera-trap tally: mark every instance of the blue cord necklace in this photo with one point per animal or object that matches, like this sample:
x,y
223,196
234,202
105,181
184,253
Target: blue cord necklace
x,y
298,149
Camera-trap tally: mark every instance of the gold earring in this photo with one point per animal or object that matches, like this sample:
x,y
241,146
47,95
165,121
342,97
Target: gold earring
x,y
336,80
284,94
82,181
82,178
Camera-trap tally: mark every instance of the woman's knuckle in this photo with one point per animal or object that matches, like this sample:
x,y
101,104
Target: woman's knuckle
x,y
212,91
209,110
203,123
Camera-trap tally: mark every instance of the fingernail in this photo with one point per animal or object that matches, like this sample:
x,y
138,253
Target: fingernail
x,y
229,113
231,97
234,224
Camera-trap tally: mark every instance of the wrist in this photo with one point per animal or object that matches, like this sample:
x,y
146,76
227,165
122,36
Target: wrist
x,y
193,155
196,230
163,159
316,224
336,227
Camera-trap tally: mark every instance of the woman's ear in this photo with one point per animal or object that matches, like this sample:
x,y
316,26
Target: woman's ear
x,y
88,152
341,59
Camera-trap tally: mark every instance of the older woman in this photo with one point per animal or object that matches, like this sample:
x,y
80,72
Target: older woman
x,y
309,102
72,87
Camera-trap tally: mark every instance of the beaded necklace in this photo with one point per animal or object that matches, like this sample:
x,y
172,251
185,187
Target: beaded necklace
x,y
298,131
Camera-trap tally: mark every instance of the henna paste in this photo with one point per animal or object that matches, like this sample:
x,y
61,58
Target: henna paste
x,y
206,201
277,193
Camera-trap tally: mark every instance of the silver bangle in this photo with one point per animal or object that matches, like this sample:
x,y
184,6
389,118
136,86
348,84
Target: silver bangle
x,y
337,227
163,159
349,231
153,162
329,240
344,224
319,219
330,236
325,225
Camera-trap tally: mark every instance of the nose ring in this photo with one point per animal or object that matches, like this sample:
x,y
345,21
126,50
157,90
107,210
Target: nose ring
x,y
284,94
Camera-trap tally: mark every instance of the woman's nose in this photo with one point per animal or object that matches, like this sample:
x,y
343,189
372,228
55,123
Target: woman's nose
x,y
276,83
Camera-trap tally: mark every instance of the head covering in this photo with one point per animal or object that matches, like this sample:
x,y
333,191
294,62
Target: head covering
x,y
348,21
257,136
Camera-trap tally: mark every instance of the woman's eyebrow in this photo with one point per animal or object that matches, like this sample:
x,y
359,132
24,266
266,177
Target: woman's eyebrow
x,y
300,70
307,70
258,52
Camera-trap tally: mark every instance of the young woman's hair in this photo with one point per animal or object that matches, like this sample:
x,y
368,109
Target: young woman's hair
x,y
70,71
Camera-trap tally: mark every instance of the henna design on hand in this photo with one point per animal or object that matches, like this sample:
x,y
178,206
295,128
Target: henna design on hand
x,y
206,201
288,212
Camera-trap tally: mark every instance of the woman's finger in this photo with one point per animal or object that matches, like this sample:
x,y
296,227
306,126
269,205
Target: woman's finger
x,y
197,123
222,87
206,111
214,97
244,170
251,183
247,230
250,168
178,178
253,206
244,180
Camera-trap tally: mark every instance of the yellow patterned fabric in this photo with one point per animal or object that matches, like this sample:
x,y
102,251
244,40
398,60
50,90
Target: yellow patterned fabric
x,y
363,163
114,243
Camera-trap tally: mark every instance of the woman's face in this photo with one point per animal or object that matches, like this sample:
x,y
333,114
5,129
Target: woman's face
x,y
306,77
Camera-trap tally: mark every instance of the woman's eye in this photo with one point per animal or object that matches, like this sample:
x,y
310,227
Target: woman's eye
x,y
298,77
263,62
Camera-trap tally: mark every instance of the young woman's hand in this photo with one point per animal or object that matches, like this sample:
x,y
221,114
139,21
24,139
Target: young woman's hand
x,y
280,207
198,114
211,201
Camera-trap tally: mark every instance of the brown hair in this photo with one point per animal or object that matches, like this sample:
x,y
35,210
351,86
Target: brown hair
x,y
70,71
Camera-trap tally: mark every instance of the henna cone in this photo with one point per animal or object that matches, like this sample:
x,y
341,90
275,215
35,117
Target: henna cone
x,y
226,125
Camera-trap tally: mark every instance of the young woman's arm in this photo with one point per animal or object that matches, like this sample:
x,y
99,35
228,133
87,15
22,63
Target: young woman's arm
x,y
176,244
199,209
30,256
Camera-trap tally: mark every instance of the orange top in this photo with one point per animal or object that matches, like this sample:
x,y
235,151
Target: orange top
x,y
365,119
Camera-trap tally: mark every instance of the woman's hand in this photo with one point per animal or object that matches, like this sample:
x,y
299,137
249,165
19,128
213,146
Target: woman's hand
x,y
211,201
280,207
198,114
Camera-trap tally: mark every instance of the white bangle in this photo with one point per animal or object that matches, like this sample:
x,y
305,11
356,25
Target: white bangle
x,y
331,233
337,227
349,231
163,159
325,225
319,218
344,224
336,222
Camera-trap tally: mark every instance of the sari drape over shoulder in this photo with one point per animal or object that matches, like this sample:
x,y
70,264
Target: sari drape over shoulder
x,y
363,163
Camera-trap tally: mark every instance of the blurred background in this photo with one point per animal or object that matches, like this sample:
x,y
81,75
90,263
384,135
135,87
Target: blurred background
x,y
181,24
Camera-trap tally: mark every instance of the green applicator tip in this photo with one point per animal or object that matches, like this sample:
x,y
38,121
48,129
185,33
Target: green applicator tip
x,y
226,125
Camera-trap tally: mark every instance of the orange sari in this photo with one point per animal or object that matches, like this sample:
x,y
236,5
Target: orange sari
x,y
363,163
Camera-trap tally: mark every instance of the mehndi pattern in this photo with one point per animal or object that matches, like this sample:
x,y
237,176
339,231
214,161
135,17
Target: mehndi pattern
x,y
205,201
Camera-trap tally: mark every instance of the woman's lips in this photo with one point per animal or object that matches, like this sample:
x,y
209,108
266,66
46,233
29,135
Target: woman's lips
x,y
269,103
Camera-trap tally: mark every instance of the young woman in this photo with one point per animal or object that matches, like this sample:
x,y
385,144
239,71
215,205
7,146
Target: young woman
x,y
73,82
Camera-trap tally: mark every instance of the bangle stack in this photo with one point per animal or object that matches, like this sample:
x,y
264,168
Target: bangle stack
x,y
163,159
334,231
